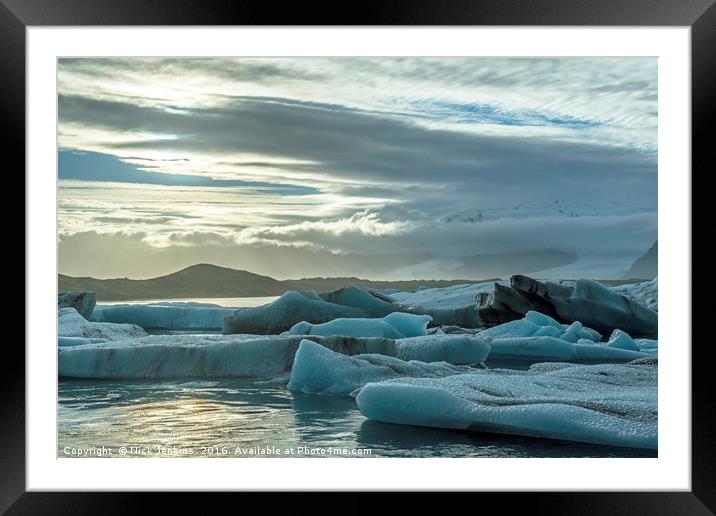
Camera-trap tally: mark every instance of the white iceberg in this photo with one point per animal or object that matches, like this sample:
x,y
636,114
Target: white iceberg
x,y
175,316
72,324
610,404
397,325
318,370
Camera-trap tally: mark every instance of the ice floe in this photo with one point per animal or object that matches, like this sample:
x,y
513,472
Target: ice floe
x,y
370,302
72,324
450,306
454,305
539,337
551,349
610,404
396,325
83,302
250,356
541,325
289,309
454,349
318,370
590,302
453,297
176,315
63,342
645,293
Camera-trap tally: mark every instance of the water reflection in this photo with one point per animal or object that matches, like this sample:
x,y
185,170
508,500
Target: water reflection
x,y
410,441
250,413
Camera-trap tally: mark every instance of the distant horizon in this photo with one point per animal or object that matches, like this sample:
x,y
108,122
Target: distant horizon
x,y
359,278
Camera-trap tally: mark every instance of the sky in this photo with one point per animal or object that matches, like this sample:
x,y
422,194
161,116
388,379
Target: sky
x,y
385,168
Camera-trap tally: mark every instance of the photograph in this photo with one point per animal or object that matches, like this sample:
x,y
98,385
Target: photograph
x,y
357,257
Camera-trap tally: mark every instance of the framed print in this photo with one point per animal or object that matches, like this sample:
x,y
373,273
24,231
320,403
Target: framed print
x,y
417,249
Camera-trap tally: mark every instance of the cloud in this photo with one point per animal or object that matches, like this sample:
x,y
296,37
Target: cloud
x,y
360,148
327,158
94,166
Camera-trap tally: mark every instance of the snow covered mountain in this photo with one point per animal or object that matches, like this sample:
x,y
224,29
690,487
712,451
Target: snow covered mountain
x,y
558,208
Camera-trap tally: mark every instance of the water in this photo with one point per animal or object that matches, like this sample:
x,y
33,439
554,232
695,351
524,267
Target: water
x,y
230,418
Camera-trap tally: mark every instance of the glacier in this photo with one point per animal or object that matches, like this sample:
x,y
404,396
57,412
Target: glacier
x,y
609,404
167,315
318,370
244,356
72,324
396,325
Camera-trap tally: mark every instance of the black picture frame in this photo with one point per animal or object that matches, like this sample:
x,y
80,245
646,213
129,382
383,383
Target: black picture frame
x,y
700,15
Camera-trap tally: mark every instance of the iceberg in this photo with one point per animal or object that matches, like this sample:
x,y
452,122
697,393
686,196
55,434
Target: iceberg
x,y
175,316
318,370
286,311
609,404
539,337
452,306
454,349
372,303
541,325
539,349
243,356
455,308
645,293
83,302
72,324
76,341
622,340
442,298
397,325
593,304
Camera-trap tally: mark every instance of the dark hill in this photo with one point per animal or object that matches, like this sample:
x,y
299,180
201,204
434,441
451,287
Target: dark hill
x,y
205,280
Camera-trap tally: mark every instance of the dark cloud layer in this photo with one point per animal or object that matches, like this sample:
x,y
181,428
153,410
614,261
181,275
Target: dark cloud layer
x,y
378,149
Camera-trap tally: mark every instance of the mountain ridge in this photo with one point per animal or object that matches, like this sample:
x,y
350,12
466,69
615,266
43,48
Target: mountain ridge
x,y
209,280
